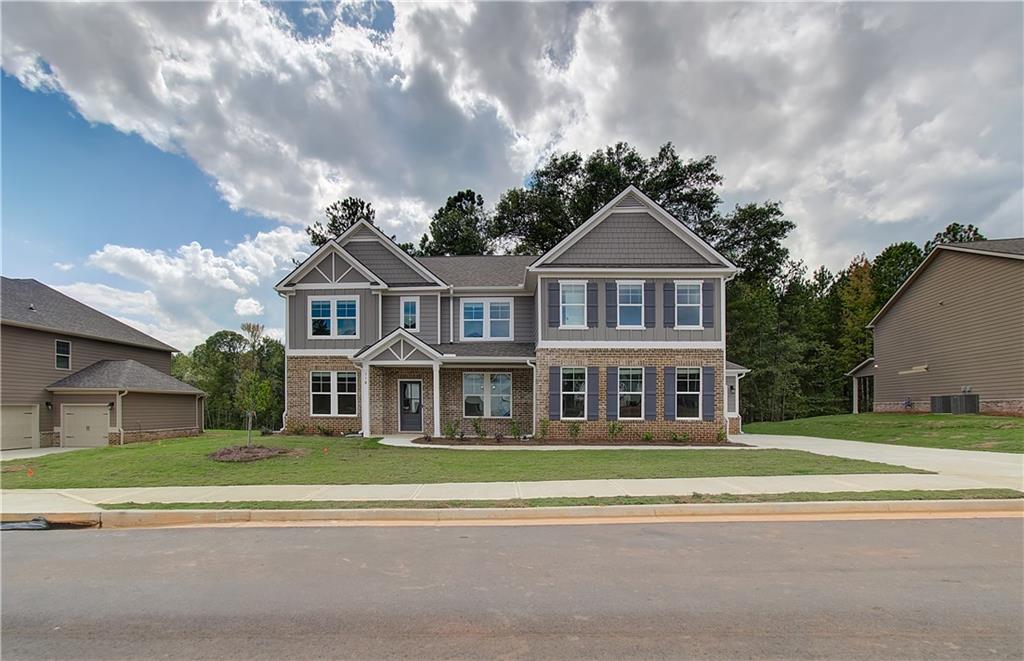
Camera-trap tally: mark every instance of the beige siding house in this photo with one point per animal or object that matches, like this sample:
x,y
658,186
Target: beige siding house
x,y
73,376
955,327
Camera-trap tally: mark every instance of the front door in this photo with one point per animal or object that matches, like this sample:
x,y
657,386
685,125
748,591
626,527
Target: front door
x,y
410,406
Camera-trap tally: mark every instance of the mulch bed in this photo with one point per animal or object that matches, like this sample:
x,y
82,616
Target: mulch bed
x,y
255,453
490,441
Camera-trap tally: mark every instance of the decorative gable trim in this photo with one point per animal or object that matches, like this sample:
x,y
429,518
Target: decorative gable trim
x,y
386,241
399,344
701,246
312,263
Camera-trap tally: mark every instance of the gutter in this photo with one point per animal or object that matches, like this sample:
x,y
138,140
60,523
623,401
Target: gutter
x,y
120,414
533,423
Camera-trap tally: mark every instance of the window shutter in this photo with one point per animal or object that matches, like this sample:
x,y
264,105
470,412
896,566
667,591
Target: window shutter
x,y
611,302
650,305
650,393
613,393
670,305
553,293
554,392
707,392
593,393
707,300
670,393
591,305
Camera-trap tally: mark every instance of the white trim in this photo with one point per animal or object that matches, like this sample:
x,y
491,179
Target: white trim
x,y
313,262
618,304
448,358
401,312
365,399
572,283
859,365
333,318
305,286
487,396
700,304
55,355
699,393
618,392
333,394
978,251
348,353
400,382
611,272
561,393
384,343
487,301
287,323
436,398
630,344
386,241
439,317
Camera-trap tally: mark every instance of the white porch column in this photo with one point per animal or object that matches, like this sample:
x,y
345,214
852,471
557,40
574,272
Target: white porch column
x,y
366,400
437,400
856,396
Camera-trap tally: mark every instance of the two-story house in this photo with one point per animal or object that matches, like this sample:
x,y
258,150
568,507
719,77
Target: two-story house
x,y
621,321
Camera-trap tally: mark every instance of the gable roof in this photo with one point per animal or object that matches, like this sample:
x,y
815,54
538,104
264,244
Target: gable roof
x,y
399,334
632,197
30,303
480,270
361,227
313,260
1003,248
123,375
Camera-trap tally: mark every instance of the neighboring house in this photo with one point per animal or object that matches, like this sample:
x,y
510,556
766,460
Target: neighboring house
x,y
72,376
621,321
955,326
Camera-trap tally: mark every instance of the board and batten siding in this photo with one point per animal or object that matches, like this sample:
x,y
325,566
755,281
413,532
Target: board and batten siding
x,y
963,317
391,311
154,411
524,315
603,333
27,364
298,319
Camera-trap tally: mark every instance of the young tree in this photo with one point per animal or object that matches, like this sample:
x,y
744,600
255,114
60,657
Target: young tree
x,y
254,390
892,267
458,228
954,233
340,215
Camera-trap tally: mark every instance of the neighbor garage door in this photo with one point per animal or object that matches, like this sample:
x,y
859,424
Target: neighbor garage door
x,y
85,425
19,427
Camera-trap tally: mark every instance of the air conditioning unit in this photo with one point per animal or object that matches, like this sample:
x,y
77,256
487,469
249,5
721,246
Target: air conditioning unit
x,y
955,404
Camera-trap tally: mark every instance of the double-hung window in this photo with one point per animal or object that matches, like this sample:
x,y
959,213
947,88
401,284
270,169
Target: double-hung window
x,y
487,395
687,393
574,393
573,304
62,355
487,319
631,304
411,313
332,393
334,317
631,393
688,311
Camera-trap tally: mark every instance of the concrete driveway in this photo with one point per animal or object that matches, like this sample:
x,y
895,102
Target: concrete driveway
x,y
31,453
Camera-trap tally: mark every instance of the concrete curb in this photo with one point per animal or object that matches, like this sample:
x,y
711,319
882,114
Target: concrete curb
x,y
158,518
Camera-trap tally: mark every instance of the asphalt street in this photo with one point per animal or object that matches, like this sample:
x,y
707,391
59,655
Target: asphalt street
x,y
893,589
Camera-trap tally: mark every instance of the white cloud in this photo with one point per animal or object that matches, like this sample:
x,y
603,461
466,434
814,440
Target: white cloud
x,y
63,266
248,307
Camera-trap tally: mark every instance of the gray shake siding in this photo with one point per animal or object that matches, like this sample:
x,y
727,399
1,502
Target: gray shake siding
x,y
384,263
298,319
631,239
392,319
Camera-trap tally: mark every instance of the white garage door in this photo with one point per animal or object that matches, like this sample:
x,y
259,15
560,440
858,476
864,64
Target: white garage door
x,y
19,427
85,425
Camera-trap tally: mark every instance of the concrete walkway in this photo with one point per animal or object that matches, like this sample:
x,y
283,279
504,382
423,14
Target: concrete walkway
x,y
31,453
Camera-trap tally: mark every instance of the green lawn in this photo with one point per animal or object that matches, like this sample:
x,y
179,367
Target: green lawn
x,y
957,432
792,497
183,462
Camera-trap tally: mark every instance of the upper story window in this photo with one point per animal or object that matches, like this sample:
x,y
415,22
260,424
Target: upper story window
x,y
411,313
574,393
62,355
631,393
631,304
337,316
486,319
687,393
688,308
573,304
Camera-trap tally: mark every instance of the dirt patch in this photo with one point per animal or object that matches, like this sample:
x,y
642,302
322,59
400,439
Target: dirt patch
x,y
511,442
14,468
255,453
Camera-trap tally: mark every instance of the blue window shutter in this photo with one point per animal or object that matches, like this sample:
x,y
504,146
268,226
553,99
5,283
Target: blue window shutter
x,y
554,393
593,393
650,393
707,301
670,304
650,305
707,392
591,305
613,393
670,393
553,294
611,303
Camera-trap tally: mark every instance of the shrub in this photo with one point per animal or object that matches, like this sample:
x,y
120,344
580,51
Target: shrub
x,y
478,428
462,435
674,437
647,437
450,430
574,430
542,429
513,430
324,431
614,429
266,431
721,436
293,429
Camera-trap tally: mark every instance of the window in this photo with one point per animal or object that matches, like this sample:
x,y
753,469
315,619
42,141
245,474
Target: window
x,y
62,355
487,319
631,393
486,395
334,317
688,313
573,302
332,393
574,393
411,313
687,393
631,304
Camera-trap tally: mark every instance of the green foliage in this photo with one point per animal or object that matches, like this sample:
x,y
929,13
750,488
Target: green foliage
x,y
954,233
542,429
721,436
450,430
340,215
647,437
614,429
892,267
514,430
574,428
458,228
751,237
858,297
478,428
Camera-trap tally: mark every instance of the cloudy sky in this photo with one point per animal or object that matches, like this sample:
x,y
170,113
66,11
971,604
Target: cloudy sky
x,y
161,160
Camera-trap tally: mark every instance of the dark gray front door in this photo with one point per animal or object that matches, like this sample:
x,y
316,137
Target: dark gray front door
x,y
410,409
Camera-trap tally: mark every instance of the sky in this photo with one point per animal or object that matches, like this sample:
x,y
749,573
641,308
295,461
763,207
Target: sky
x,y
160,160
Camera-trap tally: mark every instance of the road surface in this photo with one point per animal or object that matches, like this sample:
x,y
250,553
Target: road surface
x,y
838,589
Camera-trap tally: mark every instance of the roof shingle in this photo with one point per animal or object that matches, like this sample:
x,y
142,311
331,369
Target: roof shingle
x,y
480,270
123,375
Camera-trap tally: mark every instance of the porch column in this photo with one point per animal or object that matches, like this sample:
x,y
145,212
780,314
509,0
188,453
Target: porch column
x,y
366,400
856,396
437,400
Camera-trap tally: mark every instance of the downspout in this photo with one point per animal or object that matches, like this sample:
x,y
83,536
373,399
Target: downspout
x,y
284,413
533,422
120,427
725,382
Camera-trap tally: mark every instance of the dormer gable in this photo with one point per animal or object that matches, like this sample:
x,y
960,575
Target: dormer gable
x,y
330,264
374,249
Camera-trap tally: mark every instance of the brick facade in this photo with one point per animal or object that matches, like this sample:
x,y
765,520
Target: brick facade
x,y
698,430
735,424
298,418
384,397
1014,407
522,401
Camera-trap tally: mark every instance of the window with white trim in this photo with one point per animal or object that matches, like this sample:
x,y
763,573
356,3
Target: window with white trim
x,y
631,393
573,304
410,306
687,393
688,305
574,393
631,304
334,317
332,394
62,354
487,319
487,395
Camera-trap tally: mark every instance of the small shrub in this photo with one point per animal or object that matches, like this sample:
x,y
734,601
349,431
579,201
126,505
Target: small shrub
x,y
614,430
674,437
499,437
647,437
542,430
324,431
721,436
574,430
478,428
266,431
462,435
514,431
293,429
450,430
